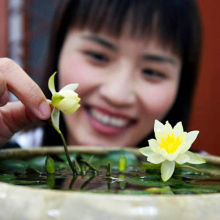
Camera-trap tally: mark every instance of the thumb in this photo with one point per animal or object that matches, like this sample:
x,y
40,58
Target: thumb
x,y
14,116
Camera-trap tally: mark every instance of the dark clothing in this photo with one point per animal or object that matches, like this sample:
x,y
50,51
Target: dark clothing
x,y
10,145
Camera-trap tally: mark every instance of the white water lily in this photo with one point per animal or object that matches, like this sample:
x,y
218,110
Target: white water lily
x,y
66,100
170,147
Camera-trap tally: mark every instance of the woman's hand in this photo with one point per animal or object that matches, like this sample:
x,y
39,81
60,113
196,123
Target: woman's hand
x,y
32,106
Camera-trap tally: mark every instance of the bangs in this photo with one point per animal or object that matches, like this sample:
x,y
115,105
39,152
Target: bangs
x,y
169,21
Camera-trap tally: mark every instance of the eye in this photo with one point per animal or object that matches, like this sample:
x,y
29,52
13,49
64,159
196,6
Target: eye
x,y
153,74
96,56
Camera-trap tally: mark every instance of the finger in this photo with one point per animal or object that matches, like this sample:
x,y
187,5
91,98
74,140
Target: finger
x,y
24,88
14,116
4,96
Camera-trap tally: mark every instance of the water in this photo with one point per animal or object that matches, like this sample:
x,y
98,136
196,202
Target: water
x,y
135,179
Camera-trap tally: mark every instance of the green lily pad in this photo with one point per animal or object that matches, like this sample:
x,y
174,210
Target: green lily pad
x,y
13,165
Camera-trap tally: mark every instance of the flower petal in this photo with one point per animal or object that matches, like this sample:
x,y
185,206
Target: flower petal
x,y
158,130
178,129
71,110
146,151
71,87
172,157
69,105
168,127
183,147
151,156
154,145
190,138
155,158
194,158
182,158
158,126
51,84
167,169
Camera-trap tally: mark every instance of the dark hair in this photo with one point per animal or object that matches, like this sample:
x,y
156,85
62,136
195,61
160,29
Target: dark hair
x,y
175,23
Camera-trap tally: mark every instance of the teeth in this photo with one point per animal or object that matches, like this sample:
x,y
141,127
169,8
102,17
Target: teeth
x,y
109,120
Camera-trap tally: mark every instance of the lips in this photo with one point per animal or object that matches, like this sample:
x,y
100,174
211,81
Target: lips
x,y
107,121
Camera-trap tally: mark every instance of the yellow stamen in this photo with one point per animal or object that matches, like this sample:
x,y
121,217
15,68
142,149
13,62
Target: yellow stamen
x,y
170,143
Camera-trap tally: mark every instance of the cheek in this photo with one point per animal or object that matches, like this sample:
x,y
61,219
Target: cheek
x,y
73,69
158,100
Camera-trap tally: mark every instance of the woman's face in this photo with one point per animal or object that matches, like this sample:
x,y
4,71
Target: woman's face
x,y
124,85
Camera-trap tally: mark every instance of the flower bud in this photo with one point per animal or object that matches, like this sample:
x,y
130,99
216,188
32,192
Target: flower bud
x,y
69,103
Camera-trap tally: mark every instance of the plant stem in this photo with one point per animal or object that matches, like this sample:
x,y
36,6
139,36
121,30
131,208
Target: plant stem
x,y
67,153
109,169
89,165
190,167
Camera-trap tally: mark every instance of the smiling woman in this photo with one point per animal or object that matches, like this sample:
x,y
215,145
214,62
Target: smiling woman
x,y
135,61
124,85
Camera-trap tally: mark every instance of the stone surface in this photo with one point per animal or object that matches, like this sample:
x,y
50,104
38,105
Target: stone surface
x,y
24,203
19,202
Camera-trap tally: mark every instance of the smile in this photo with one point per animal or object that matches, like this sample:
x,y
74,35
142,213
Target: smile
x,y
107,122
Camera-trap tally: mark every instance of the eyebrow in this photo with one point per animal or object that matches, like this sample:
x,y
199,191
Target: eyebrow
x,y
159,58
105,43
101,41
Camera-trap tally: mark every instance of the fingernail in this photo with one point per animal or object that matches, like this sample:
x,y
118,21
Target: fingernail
x,y
45,110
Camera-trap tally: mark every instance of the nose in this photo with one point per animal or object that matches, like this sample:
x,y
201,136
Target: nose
x,y
118,88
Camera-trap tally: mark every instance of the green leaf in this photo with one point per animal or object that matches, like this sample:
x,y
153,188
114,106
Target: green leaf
x,y
51,84
23,182
194,190
160,190
189,167
133,192
37,163
7,177
211,169
32,171
50,165
152,183
13,165
55,117
56,98
151,166
61,165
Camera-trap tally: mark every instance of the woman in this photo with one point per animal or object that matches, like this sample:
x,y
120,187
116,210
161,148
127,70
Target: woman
x,y
135,61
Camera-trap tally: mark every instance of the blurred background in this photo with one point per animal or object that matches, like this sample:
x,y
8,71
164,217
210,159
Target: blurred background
x,y
24,29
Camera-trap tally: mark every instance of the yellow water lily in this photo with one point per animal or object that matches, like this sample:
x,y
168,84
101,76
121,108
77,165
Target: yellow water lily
x,y
170,147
